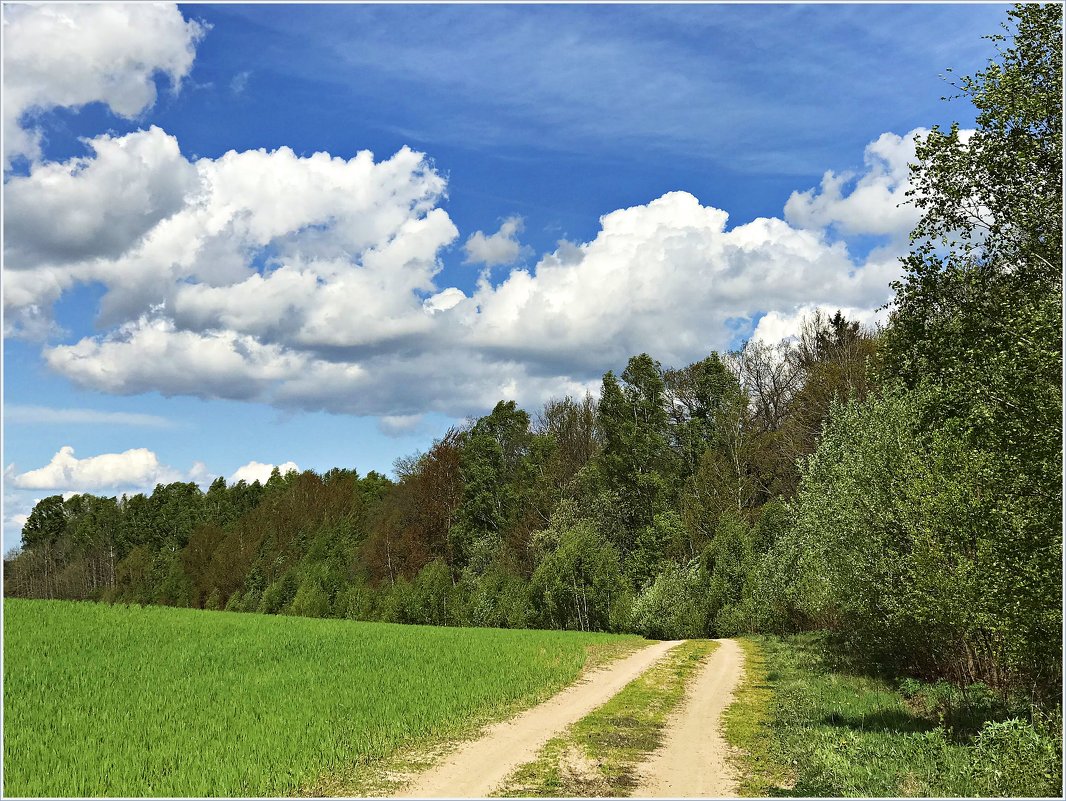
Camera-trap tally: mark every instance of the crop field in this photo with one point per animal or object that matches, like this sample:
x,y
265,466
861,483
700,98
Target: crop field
x,y
153,701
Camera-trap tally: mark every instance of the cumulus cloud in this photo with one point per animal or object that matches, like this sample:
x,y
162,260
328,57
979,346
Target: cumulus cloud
x,y
221,364
72,54
665,277
777,326
874,202
264,242
662,277
311,283
94,206
444,300
501,247
260,471
137,467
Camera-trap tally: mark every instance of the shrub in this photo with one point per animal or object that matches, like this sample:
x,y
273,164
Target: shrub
x,y
1014,758
673,606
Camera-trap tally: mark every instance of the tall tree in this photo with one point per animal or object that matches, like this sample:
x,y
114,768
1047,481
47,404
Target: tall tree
x,y
637,461
978,316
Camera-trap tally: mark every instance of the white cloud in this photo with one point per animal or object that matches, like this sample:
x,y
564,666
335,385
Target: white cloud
x,y
137,467
259,471
446,299
501,247
311,283
397,425
19,413
195,237
94,206
221,364
72,54
240,82
777,325
665,277
875,202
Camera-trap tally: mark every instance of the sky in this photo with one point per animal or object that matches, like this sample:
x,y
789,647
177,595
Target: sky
x,y
241,236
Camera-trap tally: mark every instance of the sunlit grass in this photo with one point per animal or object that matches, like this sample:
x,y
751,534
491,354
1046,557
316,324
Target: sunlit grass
x,y
804,727
132,701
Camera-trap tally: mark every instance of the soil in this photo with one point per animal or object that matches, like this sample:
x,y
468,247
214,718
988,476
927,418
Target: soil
x,y
693,760
478,767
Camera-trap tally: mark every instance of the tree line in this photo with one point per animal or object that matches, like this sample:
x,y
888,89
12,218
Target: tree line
x,y
899,487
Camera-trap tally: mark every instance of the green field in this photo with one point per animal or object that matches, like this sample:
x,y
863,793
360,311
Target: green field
x,y
132,701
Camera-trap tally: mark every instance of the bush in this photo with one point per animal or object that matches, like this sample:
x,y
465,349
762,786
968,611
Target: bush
x,y
673,606
214,600
496,598
278,595
431,601
908,544
1013,758
310,600
357,602
396,605
578,585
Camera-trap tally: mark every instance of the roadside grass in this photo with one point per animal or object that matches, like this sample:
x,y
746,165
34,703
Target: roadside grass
x,y
802,728
119,701
598,755
745,725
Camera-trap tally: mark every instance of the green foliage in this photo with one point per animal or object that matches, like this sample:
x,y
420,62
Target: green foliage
x,y
728,563
809,729
311,599
496,598
499,461
1014,757
906,544
580,583
214,600
977,325
46,522
277,597
637,462
705,398
357,602
674,605
432,595
657,547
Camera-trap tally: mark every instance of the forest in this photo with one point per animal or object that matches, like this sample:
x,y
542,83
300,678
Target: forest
x,y
898,487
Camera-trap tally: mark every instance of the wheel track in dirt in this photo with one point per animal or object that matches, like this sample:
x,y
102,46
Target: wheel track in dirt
x,y
478,767
693,759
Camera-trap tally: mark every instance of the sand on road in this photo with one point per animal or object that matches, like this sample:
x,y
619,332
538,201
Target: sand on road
x,y
480,766
692,761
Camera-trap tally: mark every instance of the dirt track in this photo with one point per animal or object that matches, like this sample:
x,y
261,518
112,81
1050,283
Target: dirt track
x,y
692,761
478,767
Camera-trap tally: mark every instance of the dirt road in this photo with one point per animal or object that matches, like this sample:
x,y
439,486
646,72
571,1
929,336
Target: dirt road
x,y
478,767
692,761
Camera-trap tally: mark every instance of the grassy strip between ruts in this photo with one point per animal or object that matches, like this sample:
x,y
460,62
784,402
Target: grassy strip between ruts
x,y
388,775
802,727
597,756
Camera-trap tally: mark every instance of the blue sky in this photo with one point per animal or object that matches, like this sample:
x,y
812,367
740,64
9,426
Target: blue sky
x,y
189,312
